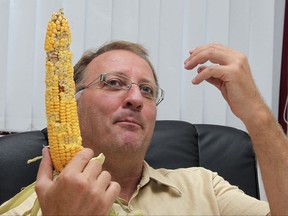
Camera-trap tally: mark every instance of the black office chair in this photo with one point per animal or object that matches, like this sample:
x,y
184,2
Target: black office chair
x,y
175,144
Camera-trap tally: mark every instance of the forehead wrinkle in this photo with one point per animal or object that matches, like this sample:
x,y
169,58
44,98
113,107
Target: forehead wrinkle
x,y
111,61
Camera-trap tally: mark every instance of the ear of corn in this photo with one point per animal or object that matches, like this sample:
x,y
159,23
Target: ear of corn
x,y
61,108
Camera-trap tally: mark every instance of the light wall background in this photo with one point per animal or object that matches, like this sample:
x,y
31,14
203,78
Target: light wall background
x,y
168,28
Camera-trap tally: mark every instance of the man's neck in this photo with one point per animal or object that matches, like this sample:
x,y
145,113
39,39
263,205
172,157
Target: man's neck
x,y
127,174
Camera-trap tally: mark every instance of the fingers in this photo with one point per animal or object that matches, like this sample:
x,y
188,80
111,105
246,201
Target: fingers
x,y
230,73
82,187
110,188
81,164
112,192
214,53
45,167
228,64
92,169
215,74
45,172
80,160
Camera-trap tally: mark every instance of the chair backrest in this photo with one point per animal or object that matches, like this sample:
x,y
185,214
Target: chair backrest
x,y
175,144
225,150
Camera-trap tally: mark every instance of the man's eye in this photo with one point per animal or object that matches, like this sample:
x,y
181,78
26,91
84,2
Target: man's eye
x,y
146,89
115,83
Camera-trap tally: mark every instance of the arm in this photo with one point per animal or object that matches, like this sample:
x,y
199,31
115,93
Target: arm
x,y
232,76
82,188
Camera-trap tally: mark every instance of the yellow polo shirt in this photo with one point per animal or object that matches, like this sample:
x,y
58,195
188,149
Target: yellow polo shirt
x,y
185,191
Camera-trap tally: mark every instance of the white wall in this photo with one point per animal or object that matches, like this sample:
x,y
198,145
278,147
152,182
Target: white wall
x,y
168,28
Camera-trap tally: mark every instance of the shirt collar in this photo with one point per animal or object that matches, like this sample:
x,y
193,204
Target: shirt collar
x,y
151,173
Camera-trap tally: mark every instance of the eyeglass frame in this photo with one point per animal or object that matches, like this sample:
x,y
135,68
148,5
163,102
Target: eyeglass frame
x,y
102,78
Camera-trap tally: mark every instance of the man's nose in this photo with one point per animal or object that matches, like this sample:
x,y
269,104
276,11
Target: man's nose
x,y
134,98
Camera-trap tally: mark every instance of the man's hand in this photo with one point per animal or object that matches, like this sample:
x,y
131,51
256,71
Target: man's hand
x,y
230,73
82,188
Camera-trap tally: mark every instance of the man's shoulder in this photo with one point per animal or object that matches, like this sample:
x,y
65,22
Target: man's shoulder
x,y
190,173
180,175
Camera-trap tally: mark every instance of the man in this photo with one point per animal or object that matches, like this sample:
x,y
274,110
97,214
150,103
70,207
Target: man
x,y
117,97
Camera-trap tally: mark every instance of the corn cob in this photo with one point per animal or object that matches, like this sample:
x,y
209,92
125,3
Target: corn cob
x,y
61,108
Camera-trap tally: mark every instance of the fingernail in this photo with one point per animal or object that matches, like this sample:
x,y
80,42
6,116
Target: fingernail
x,y
194,81
192,50
44,151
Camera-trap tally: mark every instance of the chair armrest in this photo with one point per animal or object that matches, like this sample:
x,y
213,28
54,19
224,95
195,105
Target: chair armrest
x,y
15,151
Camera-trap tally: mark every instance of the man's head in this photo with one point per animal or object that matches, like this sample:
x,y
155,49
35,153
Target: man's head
x,y
114,118
80,67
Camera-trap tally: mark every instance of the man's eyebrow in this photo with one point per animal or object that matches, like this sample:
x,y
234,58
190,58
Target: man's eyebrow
x,y
142,80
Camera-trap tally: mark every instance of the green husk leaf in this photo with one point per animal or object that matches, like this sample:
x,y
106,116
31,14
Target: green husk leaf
x,y
18,198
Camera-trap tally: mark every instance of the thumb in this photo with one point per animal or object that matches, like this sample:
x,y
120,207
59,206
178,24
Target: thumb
x,y
45,171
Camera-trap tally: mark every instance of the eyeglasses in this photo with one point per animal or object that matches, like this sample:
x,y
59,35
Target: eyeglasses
x,y
115,81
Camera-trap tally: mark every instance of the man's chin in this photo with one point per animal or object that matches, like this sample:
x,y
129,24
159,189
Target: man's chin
x,y
130,140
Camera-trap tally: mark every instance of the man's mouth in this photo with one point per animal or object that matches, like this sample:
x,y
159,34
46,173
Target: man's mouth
x,y
129,121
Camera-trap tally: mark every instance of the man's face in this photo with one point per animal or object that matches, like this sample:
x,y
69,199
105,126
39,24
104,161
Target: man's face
x,y
121,120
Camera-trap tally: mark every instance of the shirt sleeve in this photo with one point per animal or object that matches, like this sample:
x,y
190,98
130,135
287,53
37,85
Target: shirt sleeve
x,y
233,201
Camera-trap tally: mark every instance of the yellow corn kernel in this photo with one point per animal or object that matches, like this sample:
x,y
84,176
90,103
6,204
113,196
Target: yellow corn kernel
x,y
61,108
